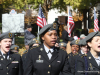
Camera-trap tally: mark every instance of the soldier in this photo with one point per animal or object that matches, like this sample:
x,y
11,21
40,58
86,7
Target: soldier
x,y
14,48
62,45
83,50
32,43
10,63
89,64
74,48
47,59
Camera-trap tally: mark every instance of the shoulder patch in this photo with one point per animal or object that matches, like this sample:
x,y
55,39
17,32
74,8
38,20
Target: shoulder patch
x,y
75,54
34,47
25,52
62,49
83,55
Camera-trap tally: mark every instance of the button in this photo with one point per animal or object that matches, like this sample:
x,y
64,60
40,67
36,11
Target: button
x,y
7,67
49,65
48,71
7,73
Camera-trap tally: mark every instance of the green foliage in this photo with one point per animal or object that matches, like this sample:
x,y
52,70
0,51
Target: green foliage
x,y
82,4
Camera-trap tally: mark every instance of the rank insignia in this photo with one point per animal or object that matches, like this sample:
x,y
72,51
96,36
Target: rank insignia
x,y
39,57
36,41
10,35
15,48
77,41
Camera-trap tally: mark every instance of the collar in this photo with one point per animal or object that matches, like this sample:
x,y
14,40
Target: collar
x,y
47,49
96,58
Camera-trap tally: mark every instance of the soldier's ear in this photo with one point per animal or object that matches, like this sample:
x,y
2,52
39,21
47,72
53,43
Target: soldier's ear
x,y
89,44
42,37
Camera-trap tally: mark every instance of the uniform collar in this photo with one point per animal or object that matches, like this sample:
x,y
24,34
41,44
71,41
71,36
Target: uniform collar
x,y
47,49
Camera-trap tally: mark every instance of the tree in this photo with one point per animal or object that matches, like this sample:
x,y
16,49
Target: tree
x,y
83,6
47,5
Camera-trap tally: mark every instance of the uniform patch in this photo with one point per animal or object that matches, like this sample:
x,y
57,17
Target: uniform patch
x,y
39,61
58,61
14,62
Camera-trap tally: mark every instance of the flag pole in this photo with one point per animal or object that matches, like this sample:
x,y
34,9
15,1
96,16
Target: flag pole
x,y
68,20
38,28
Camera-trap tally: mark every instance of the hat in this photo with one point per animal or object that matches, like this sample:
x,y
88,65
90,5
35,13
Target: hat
x,y
47,28
82,35
82,42
33,41
6,35
14,47
75,42
29,26
62,44
91,35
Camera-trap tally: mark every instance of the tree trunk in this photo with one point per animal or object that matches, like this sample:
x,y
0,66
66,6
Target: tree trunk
x,y
85,18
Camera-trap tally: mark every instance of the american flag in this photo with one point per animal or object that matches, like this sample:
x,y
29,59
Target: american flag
x,y
96,28
70,23
41,21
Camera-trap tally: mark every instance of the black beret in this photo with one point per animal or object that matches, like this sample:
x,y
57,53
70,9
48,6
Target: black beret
x,y
91,35
6,35
47,28
33,41
75,42
62,44
14,47
82,42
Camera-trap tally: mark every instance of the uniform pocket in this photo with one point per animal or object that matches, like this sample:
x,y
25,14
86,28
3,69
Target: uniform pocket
x,y
15,65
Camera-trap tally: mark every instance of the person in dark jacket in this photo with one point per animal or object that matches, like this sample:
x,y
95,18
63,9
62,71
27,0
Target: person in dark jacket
x,y
65,34
28,36
10,63
47,59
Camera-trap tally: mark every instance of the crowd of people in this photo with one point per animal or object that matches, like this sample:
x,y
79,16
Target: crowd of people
x,y
72,56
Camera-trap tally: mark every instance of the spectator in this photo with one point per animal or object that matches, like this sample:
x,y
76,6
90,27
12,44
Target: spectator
x,y
65,34
82,36
28,36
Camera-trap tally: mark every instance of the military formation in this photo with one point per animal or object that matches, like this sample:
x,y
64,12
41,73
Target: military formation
x,y
50,57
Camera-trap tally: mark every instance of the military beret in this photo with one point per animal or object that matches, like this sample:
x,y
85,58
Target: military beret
x,y
33,41
91,35
82,42
75,42
14,47
6,35
47,28
62,44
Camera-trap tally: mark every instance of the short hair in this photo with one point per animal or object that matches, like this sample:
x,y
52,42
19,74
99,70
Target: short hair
x,y
65,27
